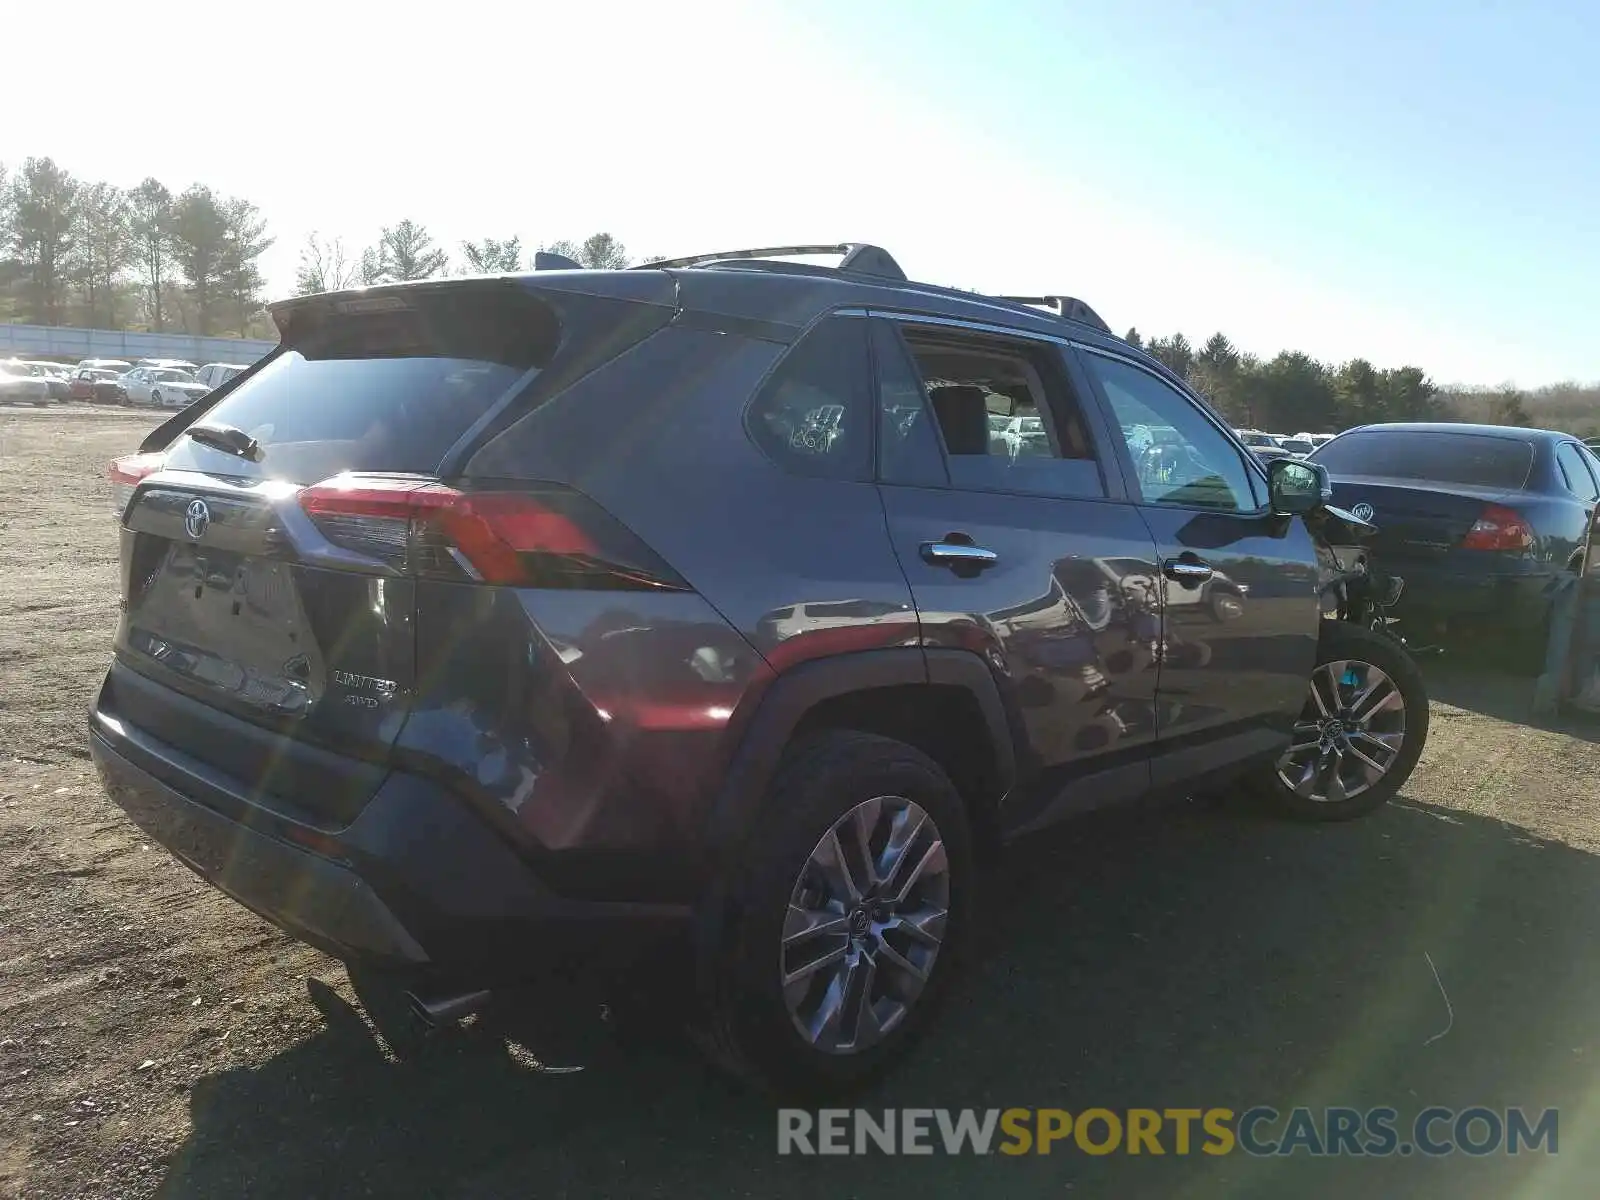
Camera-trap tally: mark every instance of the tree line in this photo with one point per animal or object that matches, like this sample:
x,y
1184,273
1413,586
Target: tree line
x,y
91,254
1293,392
79,252
406,251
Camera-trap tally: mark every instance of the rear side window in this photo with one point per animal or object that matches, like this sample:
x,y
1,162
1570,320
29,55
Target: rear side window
x,y
388,391
814,416
1575,472
1474,459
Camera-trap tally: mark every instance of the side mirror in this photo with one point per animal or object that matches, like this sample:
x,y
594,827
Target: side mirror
x,y
1296,486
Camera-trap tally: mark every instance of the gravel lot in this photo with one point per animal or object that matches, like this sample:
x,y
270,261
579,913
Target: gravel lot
x,y
156,1038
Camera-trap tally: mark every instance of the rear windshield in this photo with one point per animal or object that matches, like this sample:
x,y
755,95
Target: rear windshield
x,y
386,391
1473,459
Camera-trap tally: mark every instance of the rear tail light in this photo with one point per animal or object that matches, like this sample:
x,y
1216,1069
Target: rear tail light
x,y
545,536
1499,528
125,475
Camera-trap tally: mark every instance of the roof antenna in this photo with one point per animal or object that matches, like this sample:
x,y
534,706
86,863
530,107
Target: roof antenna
x,y
546,260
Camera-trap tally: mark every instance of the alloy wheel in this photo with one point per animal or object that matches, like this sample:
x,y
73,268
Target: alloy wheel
x,y
1349,734
865,924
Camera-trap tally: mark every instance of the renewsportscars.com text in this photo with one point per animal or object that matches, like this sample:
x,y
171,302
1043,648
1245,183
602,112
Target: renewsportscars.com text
x,y
1259,1131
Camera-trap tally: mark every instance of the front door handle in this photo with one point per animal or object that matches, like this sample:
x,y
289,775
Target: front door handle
x,y
958,554
1190,572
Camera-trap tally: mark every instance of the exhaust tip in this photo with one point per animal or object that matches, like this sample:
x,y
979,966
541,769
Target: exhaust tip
x,y
434,1011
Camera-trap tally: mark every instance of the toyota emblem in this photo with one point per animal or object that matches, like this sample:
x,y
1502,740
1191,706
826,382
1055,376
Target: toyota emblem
x,y
1363,511
196,519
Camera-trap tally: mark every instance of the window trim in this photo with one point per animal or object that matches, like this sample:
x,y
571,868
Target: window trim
x,y
1255,472
1103,446
1590,460
878,329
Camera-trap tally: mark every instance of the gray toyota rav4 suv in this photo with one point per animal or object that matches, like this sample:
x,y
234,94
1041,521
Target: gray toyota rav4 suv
x,y
728,608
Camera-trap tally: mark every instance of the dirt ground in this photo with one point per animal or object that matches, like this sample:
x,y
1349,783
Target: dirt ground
x,y
157,1039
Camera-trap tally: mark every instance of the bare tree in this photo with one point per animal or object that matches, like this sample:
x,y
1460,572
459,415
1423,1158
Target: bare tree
x,y
597,251
492,256
404,252
565,248
601,250
151,222
324,267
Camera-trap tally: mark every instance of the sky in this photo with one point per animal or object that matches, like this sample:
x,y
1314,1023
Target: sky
x,y
1412,182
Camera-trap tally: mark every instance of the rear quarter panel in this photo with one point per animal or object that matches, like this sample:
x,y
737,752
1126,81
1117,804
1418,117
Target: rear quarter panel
x,y
785,568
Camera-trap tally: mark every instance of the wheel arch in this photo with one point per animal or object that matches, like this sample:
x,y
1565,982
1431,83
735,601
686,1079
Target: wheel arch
x,y
925,698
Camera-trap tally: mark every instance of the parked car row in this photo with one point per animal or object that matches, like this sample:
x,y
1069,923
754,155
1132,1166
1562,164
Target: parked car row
x,y
153,382
1268,446
28,382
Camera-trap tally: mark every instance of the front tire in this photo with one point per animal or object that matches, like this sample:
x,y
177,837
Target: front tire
x,y
844,920
1360,734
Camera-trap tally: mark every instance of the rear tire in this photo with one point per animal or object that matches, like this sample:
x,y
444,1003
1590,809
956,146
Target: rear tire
x,y
1366,708
789,908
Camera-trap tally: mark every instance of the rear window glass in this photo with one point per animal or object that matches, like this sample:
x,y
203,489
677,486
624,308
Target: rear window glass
x,y
1468,458
390,391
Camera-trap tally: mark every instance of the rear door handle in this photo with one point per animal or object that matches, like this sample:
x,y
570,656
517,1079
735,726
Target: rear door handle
x,y
958,554
1190,572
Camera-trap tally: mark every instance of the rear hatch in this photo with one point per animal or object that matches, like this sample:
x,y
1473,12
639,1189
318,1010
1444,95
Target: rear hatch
x,y
1426,488
269,572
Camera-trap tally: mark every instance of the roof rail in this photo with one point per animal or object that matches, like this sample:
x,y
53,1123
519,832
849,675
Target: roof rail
x,y
1069,307
863,258
860,257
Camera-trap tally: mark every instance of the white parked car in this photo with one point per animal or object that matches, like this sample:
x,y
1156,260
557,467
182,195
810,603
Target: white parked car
x,y
1257,440
214,375
119,365
164,387
19,385
1026,436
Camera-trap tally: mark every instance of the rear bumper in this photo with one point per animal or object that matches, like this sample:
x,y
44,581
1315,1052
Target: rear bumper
x,y
1519,601
415,883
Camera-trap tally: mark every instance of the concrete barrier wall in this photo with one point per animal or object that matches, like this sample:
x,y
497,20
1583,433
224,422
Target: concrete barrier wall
x,y
59,341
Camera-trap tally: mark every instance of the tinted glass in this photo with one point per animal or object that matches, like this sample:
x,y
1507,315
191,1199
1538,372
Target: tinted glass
x,y
391,391
908,443
1179,457
1575,472
814,416
1477,460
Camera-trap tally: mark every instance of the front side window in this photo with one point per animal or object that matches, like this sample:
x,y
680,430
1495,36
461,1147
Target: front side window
x,y
1179,456
814,416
